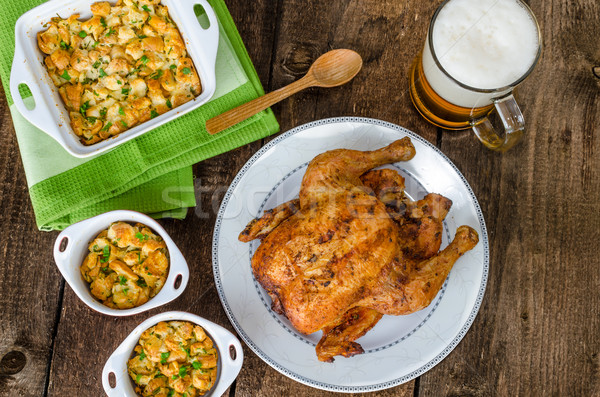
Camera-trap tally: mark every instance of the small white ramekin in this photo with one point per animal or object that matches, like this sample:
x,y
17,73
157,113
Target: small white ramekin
x,y
231,355
71,248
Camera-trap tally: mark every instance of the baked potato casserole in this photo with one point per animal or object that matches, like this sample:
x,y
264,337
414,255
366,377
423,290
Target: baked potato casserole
x,y
174,358
126,265
125,65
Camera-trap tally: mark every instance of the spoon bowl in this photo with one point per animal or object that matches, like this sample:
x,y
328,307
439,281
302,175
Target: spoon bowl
x,y
334,68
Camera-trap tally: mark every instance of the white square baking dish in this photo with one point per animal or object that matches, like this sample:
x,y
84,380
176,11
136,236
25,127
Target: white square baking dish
x,y
50,115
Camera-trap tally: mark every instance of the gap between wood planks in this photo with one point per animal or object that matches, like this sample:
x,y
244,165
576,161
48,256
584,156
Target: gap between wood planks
x,y
61,294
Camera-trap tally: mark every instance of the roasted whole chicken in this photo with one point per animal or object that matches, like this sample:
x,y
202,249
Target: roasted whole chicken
x,y
353,247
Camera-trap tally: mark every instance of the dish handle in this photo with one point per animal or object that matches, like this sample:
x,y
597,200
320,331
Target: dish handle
x,y
173,288
115,372
232,357
21,73
203,40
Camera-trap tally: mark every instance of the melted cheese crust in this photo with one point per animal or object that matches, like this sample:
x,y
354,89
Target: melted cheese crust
x,y
125,65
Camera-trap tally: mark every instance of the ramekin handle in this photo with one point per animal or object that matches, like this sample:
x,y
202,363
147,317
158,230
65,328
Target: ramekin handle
x,y
232,359
110,367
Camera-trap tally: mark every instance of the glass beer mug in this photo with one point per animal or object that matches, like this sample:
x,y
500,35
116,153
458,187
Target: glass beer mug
x,y
476,53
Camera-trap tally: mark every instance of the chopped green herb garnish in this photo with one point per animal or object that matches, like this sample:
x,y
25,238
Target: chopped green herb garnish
x,y
141,282
158,74
83,34
96,64
172,67
124,124
144,59
169,104
140,36
197,364
183,371
119,82
107,126
103,112
146,8
121,111
137,378
84,107
105,269
65,75
164,357
110,31
105,254
142,355
102,72
153,113
186,70
171,393
125,91
174,377
103,22
64,45
122,280
96,248
125,290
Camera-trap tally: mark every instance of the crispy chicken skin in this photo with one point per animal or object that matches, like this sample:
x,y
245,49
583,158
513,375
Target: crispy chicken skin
x,y
353,247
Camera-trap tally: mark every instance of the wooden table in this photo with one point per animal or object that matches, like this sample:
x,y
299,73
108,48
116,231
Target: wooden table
x,y
538,329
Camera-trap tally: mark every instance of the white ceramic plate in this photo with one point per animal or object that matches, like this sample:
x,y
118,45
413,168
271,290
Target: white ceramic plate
x,y
398,348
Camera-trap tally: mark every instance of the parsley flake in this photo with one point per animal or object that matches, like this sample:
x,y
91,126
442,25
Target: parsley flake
x,y
107,126
102,72
197,364
153,113
66,76
164,357
82,34
122,280
186,70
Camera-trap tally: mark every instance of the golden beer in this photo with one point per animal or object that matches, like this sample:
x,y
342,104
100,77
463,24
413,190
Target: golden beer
x,y
474,56
436,109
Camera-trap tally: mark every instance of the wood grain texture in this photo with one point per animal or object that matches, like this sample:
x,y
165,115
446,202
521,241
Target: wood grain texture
x,y
30,286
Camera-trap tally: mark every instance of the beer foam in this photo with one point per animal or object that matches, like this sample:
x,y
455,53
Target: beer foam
x,y
485,43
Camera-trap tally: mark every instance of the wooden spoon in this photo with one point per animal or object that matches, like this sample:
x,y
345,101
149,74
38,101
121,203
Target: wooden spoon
x,y
331,69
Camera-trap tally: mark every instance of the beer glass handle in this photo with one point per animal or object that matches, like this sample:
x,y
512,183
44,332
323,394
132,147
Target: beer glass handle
x,y
513,122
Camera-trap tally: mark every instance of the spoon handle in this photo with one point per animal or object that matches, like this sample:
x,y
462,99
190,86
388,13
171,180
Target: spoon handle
x,y
248,109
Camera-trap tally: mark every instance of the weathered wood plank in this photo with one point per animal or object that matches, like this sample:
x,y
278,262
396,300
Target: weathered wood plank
x,y
537,331
30,285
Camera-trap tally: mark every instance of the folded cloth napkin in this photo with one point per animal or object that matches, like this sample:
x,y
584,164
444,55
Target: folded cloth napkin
x,y
150,174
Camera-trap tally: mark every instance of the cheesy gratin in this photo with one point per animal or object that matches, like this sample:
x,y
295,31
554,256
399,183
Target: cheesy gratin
x,y
174,358
126,265
125,65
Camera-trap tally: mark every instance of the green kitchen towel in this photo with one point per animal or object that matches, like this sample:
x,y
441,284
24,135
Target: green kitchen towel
x,y
150,174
